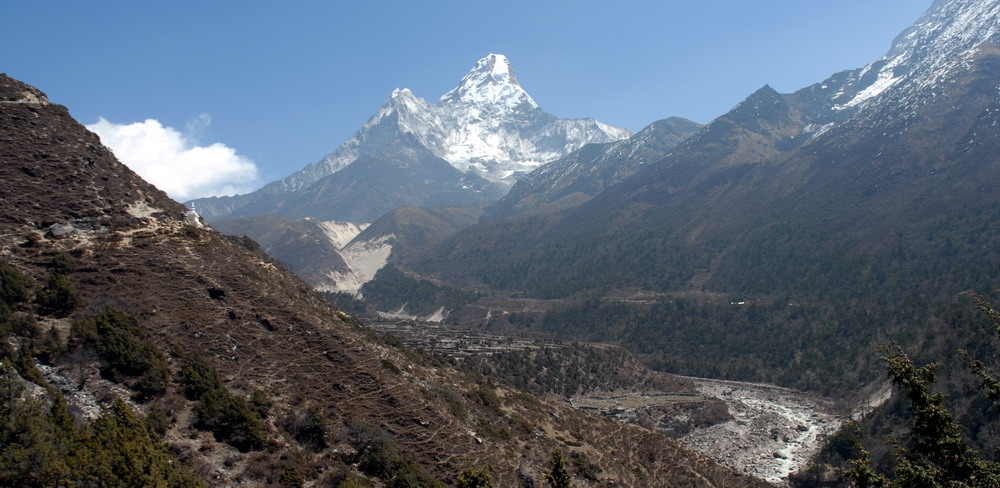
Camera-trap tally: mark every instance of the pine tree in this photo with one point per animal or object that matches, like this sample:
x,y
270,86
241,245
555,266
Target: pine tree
x,y
559,476
475,478
940,457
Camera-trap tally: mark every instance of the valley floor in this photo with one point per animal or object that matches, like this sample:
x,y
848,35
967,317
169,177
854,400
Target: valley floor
x,y
771,431
763,430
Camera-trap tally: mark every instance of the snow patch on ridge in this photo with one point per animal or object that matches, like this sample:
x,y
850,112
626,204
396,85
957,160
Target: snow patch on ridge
x,y
818,130
938,45
886,78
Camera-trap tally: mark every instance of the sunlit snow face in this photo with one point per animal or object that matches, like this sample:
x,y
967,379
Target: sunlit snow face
x,y
491,82
487,125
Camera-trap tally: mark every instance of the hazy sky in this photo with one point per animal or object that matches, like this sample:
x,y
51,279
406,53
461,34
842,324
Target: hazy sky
x,y
243,93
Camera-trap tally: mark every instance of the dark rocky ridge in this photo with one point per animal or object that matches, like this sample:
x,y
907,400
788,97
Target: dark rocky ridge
x,y
300,245
66,176
416,230
403,173
584,173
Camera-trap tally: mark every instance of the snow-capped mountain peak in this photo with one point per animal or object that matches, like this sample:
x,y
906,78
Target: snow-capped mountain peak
x,y
487,125
411,114
401,100
401,93
492,81
936,45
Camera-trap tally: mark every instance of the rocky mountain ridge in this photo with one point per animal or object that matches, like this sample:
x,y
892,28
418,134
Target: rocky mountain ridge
x,y
772,152
487,127
592,168
816,203
488,124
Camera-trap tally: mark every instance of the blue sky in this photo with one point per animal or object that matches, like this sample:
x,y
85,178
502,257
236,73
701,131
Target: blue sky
x,y
280,84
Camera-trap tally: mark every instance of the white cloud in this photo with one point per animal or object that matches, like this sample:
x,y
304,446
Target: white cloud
x,y
175,162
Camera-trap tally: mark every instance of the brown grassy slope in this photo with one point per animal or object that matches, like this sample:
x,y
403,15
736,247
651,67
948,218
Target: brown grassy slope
x,y
61,191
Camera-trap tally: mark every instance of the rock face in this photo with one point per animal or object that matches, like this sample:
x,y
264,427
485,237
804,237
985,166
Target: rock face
x,y
587,171
403,173
487,127
304,246
414,230
197,294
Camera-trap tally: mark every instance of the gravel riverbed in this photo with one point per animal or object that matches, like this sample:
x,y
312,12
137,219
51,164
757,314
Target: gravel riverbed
x,y
774,430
